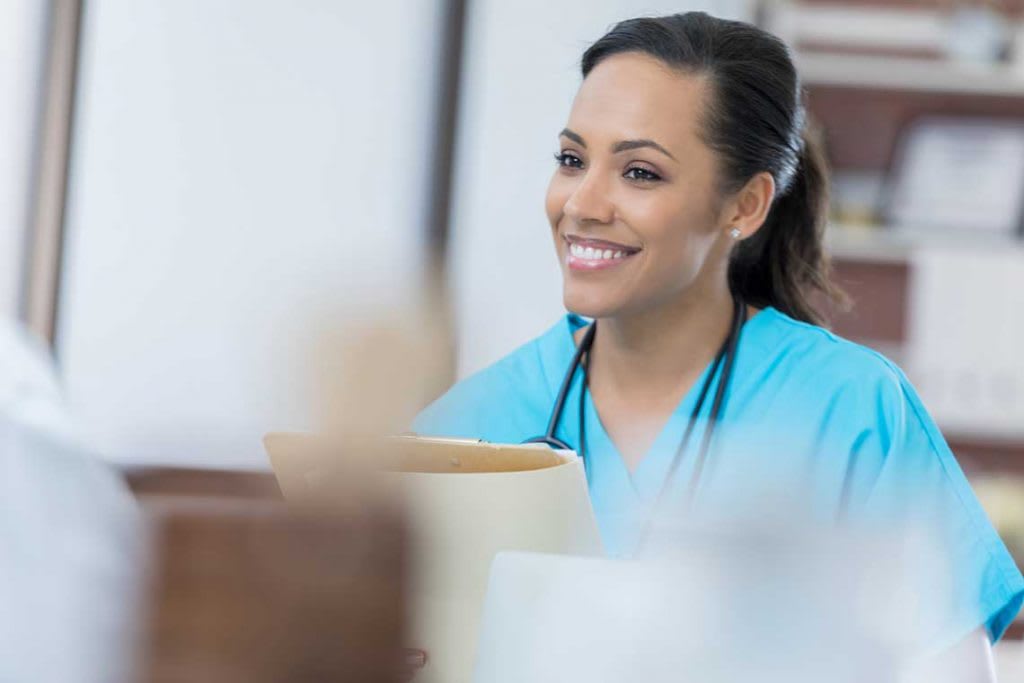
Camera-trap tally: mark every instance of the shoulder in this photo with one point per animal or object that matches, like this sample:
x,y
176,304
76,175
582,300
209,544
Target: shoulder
x,y
865,401
499,401
898,466
854,391
825,362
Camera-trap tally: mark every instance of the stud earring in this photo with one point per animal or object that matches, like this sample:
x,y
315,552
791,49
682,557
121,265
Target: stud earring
x,y
735,233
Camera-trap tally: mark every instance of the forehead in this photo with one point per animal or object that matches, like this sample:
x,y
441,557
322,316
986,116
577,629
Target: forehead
x,y
633,95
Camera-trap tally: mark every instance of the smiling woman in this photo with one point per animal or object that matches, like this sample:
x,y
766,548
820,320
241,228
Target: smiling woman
x,y
686,208
678,203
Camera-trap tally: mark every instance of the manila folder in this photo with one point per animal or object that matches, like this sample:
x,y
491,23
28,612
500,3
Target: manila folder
x,y
466,501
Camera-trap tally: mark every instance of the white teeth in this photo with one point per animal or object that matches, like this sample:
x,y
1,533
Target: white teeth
x,y
592,254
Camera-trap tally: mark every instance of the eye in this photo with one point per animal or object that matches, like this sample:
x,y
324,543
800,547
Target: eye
x,y
568,160
643,174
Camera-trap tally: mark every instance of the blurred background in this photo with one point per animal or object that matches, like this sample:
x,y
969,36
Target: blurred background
x,y
189,187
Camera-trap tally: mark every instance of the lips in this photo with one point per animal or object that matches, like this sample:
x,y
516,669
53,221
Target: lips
x,y
595,254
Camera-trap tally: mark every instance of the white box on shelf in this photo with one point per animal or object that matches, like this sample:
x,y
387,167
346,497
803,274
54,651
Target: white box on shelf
x,y
965,332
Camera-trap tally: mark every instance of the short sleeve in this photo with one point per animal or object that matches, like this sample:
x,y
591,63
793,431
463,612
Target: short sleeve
x,y
904,471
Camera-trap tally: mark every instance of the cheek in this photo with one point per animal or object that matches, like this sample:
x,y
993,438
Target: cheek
x,y
674,236
662,227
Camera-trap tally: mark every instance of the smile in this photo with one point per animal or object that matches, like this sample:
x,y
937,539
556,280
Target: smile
x,y
590,254
579,251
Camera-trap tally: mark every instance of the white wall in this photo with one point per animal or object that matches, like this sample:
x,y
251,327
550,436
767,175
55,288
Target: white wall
x,y
22,37
522,71
237,169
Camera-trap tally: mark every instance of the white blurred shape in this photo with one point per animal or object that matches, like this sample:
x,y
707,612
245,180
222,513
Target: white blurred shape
x,y
1009,660
29,390
727,605
69,549
69,543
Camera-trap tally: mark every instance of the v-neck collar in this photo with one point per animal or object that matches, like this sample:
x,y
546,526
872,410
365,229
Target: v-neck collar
x,y
650,472
646,481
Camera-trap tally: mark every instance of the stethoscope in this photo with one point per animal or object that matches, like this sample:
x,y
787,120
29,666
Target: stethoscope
x,y
724,359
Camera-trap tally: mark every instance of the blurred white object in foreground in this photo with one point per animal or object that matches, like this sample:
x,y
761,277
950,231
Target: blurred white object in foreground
x,y
727,605
68,536
29,390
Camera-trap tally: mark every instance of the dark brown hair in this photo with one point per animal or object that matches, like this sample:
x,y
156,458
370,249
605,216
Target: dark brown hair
x,y
755,122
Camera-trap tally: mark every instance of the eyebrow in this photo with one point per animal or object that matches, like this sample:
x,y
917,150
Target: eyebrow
x,y
621,146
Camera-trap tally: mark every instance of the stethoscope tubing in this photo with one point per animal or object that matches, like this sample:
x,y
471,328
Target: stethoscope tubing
x,y
727,352
724,360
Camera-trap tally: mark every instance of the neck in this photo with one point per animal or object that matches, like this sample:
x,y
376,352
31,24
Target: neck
x,y
661,352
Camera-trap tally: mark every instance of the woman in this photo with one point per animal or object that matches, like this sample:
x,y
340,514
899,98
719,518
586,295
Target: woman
x,y
687,208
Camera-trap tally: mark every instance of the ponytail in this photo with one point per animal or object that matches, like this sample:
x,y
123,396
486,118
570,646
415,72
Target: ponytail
x,y
784,264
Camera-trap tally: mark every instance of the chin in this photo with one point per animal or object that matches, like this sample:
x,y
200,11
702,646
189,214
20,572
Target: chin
x,y
591,304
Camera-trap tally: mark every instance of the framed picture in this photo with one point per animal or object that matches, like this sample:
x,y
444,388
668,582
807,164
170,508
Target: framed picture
x,y
958,175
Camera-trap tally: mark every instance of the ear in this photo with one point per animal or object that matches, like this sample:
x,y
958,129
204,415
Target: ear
x,y
748,208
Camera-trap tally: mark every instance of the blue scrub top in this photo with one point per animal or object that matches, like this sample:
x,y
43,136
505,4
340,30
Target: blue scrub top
x,y
809,416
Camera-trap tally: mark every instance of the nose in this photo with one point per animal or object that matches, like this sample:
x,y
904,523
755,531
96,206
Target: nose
x,y
590,200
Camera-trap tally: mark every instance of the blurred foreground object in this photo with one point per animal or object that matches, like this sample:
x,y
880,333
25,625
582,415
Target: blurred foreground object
x,y
720,604
465,501
69,545
250,593
29,391
69,553
371,376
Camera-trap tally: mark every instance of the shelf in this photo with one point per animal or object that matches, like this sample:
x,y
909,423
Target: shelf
x,y
910,74
880,244
991,437
867,244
